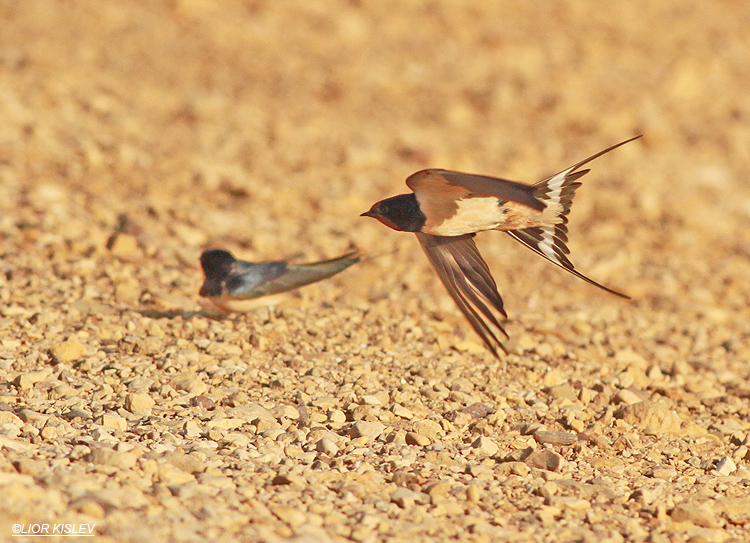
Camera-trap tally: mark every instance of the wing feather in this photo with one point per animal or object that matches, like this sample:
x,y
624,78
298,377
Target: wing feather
x,y
545,242
467,277
549,241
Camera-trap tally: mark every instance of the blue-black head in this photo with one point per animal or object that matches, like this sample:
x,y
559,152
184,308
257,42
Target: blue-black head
x,y
400,212
218,265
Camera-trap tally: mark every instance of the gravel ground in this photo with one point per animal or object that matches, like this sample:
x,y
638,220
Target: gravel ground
x,y
136,134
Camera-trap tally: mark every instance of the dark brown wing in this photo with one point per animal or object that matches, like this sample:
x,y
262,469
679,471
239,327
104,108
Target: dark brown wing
x,y
439,185
465,274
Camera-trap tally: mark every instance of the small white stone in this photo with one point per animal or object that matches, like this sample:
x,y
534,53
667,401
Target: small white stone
x,y
485,446
138,401
99,434
401,411
404,498
366,429
326,446
369,399
725,466
192,429
114,421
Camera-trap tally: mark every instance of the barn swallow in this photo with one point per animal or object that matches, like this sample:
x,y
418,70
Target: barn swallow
x,y
446,209
229,280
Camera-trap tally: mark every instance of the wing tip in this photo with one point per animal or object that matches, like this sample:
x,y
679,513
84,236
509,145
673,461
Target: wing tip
x,y
462,281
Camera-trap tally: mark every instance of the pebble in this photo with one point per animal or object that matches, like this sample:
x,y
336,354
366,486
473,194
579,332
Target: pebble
x,y
189,383
626,396
68,351
663,473
253,412
89,507
401,411
369,399
700,516
225,423
27,380
192,428
114,421
29,466
336,416
549,488
326,446
124,245
223,349
438,491
569,503
652,417
285,411
725,466
185,462
642,496
414,438
473,493
138,401
563,390
546,459
291,515
366,429
485,445
170,475
404,498
555,438
428,428
110,457
99,434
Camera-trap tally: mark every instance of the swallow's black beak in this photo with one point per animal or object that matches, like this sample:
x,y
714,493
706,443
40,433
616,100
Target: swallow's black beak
x,y
368,214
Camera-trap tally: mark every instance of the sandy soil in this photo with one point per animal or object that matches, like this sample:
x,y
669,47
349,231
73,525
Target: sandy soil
x,y
133,135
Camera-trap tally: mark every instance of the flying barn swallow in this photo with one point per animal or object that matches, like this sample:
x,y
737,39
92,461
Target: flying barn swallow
x,y
446,209
229,280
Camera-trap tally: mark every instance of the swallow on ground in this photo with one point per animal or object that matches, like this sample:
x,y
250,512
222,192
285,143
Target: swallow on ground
x,y
446,209
230,280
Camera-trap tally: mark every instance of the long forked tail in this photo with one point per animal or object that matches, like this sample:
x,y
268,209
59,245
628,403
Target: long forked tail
x,y
557,193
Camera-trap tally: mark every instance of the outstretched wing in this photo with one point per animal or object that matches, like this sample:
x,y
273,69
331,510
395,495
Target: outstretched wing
x,y
467,277
250,279
299,275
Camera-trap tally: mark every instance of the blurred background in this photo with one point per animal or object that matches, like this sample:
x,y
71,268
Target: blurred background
x,y
267,127
270,126
155,130
134,135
